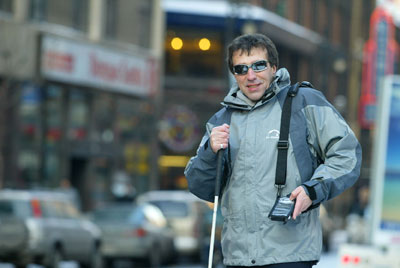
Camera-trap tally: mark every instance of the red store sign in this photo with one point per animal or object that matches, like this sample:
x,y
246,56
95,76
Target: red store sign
x,y
380,52
90,65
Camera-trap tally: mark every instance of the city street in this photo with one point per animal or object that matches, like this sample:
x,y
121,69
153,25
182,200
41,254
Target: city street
x,y
328,260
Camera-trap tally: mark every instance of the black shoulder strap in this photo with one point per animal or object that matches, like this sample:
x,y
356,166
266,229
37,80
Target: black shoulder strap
x,y
283,143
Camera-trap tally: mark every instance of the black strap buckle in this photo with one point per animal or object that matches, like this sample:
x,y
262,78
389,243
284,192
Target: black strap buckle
x,y
279,191
283,145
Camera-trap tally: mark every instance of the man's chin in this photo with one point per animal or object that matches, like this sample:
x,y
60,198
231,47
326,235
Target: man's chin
x,y
256,96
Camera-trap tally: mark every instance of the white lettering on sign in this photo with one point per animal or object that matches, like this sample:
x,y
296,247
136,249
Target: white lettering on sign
x,y
68,61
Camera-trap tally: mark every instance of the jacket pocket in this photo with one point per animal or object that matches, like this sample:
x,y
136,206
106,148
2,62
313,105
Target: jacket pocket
x,y
234,237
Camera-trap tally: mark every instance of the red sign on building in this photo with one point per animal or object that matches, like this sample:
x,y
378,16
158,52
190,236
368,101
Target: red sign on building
x,y
379,59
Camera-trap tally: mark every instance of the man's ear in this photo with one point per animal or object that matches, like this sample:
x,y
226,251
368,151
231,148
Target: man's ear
x,y
274,69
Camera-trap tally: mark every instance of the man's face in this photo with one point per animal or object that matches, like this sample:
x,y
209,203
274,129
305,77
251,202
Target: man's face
x,y
253,84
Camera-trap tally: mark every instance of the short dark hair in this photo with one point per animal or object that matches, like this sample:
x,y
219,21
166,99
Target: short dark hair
x,y
247,42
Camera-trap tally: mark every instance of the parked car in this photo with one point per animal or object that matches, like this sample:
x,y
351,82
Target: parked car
x,y
184,213
134,232
45,227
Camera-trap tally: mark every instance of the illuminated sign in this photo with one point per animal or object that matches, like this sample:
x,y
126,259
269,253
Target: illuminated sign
x,y
379,60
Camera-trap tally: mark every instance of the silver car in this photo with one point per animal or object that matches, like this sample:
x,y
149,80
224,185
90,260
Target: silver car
x,y
134,232
45,227
185,214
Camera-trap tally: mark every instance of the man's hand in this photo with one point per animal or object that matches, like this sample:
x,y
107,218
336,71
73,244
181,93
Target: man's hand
x,y
219,137
303,201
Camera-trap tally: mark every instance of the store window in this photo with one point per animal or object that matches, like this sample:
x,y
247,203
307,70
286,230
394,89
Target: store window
x,y
100,181
53,134
103,118
135,128
78,114
6,6
127,120
29,142
134,120
191,52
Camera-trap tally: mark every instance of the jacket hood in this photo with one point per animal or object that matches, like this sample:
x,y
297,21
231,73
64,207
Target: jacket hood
x,y
236,100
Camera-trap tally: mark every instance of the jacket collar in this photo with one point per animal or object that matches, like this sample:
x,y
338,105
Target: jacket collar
x,y
236,99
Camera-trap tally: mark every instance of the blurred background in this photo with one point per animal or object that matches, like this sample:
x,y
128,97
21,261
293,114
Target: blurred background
x,y
109,98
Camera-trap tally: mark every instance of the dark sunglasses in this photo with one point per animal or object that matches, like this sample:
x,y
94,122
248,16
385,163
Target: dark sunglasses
x,y
257,66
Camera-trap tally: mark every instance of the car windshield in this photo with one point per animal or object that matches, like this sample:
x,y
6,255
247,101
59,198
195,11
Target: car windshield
x,y
172,209
17,208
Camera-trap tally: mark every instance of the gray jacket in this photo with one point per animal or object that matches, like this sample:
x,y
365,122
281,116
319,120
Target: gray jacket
x,y
324,157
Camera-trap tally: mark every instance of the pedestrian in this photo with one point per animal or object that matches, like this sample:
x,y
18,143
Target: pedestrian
x,y
323,159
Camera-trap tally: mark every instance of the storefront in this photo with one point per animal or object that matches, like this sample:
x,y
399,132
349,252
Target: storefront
x,y
87,121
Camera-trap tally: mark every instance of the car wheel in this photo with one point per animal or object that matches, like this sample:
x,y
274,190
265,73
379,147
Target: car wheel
x,y
96,259
154,258
108,262
55,258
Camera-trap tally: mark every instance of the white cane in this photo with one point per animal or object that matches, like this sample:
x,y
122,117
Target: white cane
x,y
217,189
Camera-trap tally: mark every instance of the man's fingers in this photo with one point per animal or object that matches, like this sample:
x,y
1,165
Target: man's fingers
x,y
297,209
303,201
219,137
295,193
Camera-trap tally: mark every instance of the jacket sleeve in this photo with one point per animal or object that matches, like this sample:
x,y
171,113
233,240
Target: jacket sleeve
x,y
200,171
333,142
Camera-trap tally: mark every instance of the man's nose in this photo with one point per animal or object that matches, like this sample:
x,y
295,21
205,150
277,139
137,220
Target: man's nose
x,y
251,75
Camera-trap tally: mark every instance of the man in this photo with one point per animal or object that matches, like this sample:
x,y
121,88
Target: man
x,y
323,160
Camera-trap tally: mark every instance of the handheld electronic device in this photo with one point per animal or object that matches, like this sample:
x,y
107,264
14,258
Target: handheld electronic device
x,y
282,209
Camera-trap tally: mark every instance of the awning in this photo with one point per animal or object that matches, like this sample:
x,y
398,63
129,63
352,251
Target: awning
x,y
215,13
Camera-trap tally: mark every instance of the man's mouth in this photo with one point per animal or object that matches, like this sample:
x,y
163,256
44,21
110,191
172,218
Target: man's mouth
x,y
252,86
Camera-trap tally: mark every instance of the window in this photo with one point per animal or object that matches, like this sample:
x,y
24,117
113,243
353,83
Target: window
x,y
15,208
154,216
187,58
80,15
172,209
38,10
53,131
78,114
103,118
111,18
73,13
30,134
127,120
52,209
6,6
129,21
281,8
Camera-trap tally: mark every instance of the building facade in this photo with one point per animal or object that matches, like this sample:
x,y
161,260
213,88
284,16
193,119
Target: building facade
x,y
80,84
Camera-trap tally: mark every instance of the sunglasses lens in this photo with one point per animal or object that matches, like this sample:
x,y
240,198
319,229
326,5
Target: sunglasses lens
x,y
240,69
259,66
